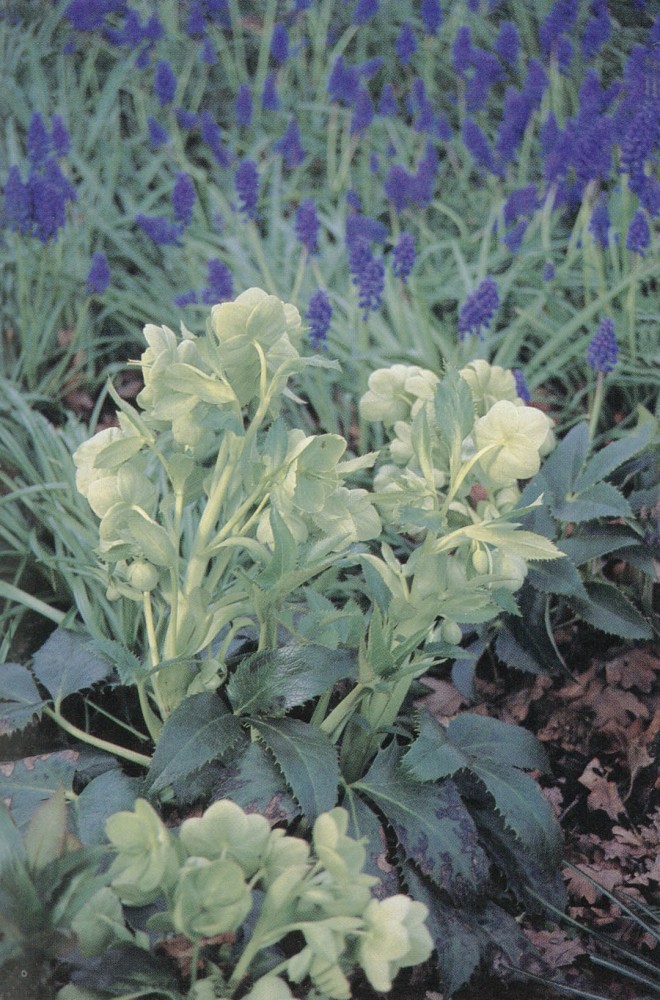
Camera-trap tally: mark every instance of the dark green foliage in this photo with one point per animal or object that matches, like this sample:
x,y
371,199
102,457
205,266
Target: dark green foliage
x,y
589,518
66,664
104,795
21,701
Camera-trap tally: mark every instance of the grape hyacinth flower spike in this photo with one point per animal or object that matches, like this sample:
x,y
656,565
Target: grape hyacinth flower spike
x,y
602,357
479,308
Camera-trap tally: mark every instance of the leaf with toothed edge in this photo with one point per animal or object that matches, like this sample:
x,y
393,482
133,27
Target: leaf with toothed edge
x,y
431,822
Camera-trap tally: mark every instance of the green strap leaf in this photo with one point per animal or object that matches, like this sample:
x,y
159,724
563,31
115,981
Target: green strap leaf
x,y
66,664
431,822
274,681
19,698
307,759
46,832
199,730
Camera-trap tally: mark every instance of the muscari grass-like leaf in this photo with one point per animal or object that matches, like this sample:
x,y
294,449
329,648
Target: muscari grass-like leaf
x,y
431,822
19,698
307,759
199,730
608,610
272,682
66,664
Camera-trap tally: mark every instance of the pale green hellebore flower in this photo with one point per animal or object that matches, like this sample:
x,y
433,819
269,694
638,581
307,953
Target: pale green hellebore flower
x,y
395,936
147,860
513,434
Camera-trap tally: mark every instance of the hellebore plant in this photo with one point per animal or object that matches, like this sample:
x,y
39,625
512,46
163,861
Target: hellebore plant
x,y
228,875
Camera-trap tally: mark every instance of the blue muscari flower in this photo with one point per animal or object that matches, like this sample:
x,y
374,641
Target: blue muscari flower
x,y
38,141
207,52
406,43
279,43
306,225
363,227
60,137
507,43
319,317
461,50
343,82
219,283
597,31
639,234
479,308
536,83
363,112
564,50
142,59
211,134
599,224
425,176
353,200
368,274
159,229
246,180
369,67
364,11
86,15
157,134
153,29
290,146
98,276
521,385
403,256
49,193
514,237
164,82
130,33
196,23
186,119
639,144
476,144
560,20
188,298
374,163
548,271
603,350
431,14
398,186
183,198
243,106
17,214
521,202
387,106
442,127
270,100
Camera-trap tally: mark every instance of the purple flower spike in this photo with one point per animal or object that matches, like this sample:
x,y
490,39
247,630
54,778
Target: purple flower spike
x,y
246,180
290,146
431,14
603,350
243,106
319,316
479,308
164,82
403,256
521,385
183,198
406,43
98,276
307,225
279,45
60,136
219,283
639,234
38,141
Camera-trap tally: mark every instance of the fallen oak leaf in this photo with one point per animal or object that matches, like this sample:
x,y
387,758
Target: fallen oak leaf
x,y
555,946
603,794
636,668
579,882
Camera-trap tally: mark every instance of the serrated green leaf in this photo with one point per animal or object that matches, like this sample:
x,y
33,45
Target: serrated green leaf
x,y
129,970
26,783
432,825
454,408
46,832
199,730
601,540
19,900
522,647
431,756
513,542
272,682
608,610
19,698
254,782
151,538
285,551
599,500
459,948
126,663
612,456
518,799
483,737
104,795
363,822
307,759
557,577
66,664
562,468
